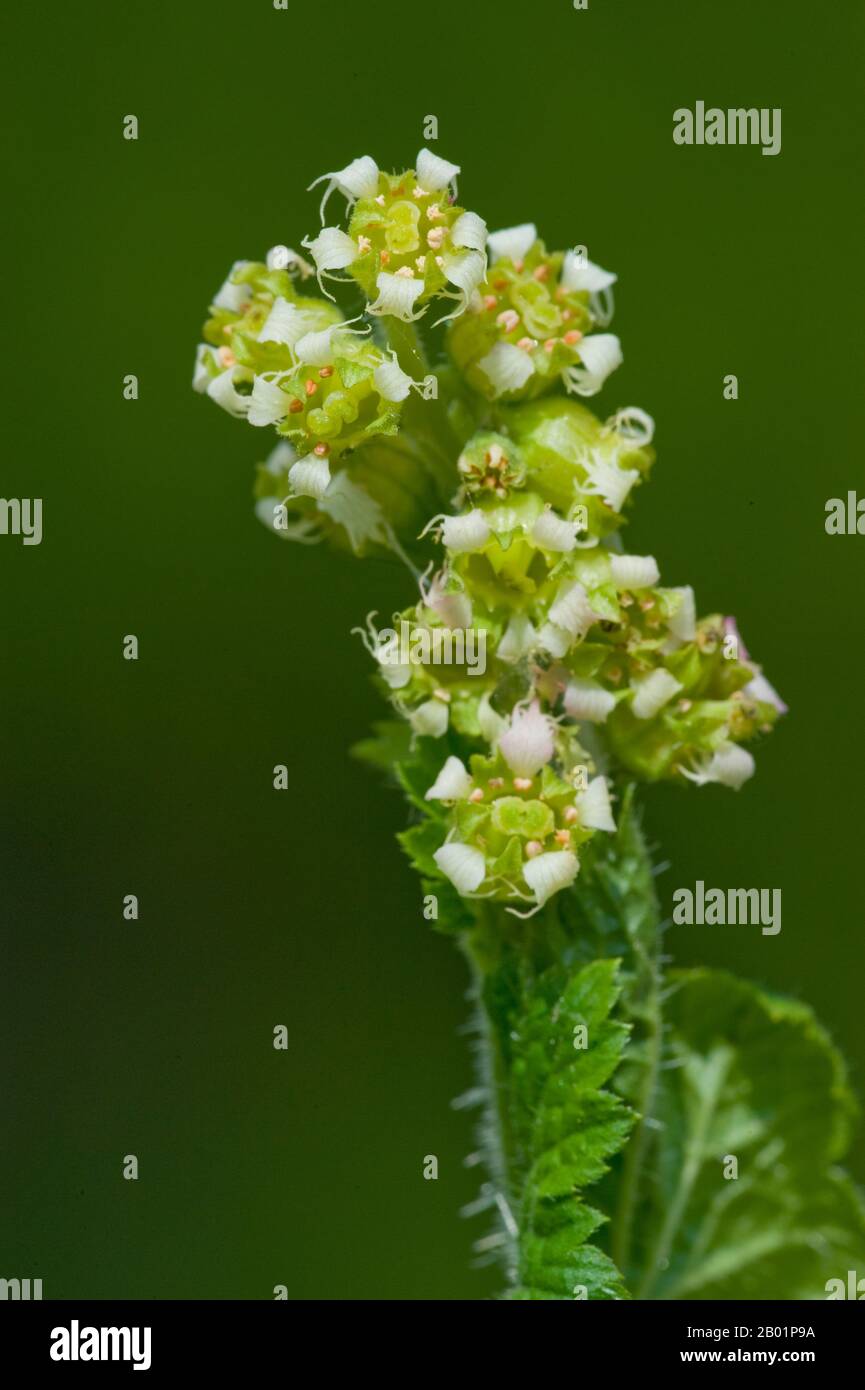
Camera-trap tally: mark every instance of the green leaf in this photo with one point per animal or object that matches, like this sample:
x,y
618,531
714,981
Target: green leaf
x,y
390,744
753,1078
420,842
562,1125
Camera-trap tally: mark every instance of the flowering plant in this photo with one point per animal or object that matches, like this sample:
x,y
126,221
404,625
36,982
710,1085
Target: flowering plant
x,y
539,672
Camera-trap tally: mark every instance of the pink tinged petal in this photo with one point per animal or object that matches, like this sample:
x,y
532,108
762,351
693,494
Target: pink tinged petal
x,y
758,688
528,744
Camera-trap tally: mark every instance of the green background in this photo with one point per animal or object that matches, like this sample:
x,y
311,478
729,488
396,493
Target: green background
x,y
257,907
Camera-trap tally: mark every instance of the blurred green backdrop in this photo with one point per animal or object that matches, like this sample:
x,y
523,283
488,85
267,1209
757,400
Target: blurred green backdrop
x,y
257,908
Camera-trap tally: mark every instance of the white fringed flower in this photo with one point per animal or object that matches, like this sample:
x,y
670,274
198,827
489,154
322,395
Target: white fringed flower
x,y
571,609
607,481
580,274
517,640
230,296
588,700
359,179
512,243
600,355
552,533
383,647
267,404
453,608
201,377
316,349
506,367
465,533
683,623
396,296
492,725
435,173
465,867
284,324
594,806
430,719
469,231
466,271
309,477
730,765
453,783
653,692
548,873
332,249
391,382
634,571
555,640
528,743
352,508
759,688
634,425
222,390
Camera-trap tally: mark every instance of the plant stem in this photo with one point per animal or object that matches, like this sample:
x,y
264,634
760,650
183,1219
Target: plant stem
x,y
425,418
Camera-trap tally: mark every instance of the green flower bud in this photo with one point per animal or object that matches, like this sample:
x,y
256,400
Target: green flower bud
x,y
570,457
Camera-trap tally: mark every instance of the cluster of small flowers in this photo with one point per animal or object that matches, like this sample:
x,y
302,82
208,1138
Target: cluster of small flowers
x,y
582,641
275,357
534,324
588,661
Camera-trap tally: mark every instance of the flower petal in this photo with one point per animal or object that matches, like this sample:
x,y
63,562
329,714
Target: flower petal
x,y
391,382
550,532
453,783
431,720
222,390
518,639
464,866
547,874
465,533
434,173
506,367
653,692
580,274
528,744
588,700
396,295
594,806
512,243
267,404
600,354
572,610
469,230
309,477
634,571
230,296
